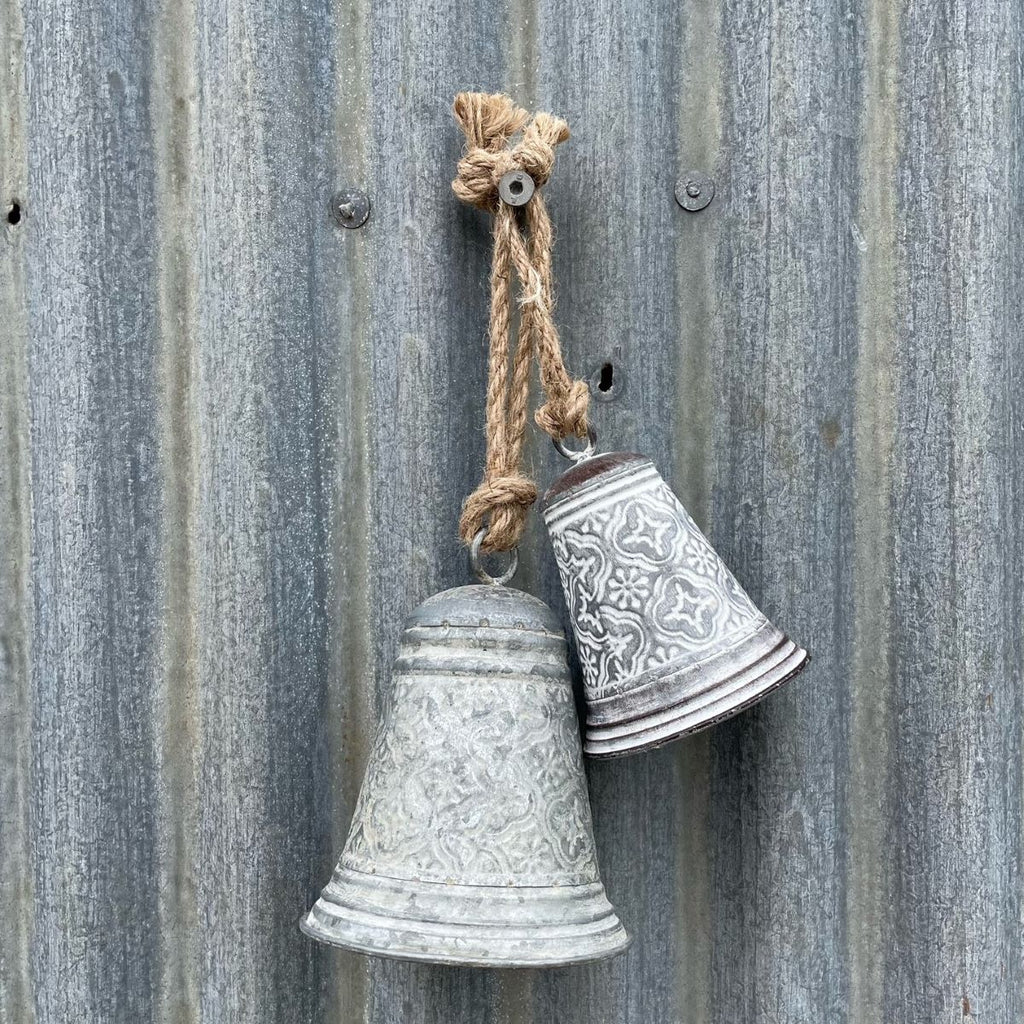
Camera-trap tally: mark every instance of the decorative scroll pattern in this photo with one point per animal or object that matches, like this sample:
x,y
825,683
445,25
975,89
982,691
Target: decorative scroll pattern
x,y
644,588
477,782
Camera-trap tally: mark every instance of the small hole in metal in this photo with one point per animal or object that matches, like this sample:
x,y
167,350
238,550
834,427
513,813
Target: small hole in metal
x,y
14,213
607,379
515,186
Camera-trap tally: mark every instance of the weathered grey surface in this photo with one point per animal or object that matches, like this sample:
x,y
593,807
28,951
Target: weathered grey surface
x,y
472,842
660,677
234,440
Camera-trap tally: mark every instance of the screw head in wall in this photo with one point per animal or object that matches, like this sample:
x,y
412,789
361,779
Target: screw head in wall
x,y
350,208
694,191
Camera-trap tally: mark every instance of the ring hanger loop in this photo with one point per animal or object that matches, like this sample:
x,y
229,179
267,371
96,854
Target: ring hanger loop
x,y
577,454
480,572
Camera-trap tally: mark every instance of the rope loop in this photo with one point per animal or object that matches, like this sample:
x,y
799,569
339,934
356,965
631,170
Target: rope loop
x,y
565,412
522,248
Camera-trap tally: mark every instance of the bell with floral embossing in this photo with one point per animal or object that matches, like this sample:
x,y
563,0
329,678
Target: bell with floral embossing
x,y
668,641
471,841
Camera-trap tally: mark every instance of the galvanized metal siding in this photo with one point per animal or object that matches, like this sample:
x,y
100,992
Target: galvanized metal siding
x,y
235,439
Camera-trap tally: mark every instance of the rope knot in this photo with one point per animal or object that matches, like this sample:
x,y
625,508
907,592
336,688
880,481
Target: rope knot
x,y
478,174
489,121
501,504
535,153
565,411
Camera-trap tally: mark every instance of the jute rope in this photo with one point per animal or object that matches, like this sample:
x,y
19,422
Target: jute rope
x,y
504,496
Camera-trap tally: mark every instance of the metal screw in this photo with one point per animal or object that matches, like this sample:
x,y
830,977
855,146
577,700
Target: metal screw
x,y
350,208
516,188
694,191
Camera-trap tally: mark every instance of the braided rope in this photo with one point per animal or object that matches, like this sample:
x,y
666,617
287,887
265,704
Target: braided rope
x,y
503,498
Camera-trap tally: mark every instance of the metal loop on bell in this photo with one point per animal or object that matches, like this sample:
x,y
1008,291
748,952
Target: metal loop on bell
x,y
583,453
480,572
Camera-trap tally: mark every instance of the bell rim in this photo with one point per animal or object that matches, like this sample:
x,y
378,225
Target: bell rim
x,y
665,729
458,961
355,920
657,688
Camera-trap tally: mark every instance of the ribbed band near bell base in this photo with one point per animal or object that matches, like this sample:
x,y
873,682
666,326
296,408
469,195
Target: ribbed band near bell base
x,y
674,701
483,926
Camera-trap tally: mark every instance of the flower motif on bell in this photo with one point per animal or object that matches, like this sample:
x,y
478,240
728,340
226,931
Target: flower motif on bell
x,y
629,587
590,660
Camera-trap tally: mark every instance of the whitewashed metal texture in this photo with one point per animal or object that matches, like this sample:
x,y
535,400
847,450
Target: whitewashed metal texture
x,y
235,439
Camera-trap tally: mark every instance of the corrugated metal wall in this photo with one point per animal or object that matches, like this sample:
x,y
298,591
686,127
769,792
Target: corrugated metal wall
x,y
235,439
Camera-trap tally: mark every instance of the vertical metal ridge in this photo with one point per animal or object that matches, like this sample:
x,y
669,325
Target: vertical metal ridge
x,y
16,889
95,510
875,230
520,44
784,470
1009,875
983,131
428,310
265,377
742,206
701,104
345,310
959,700
173,99
233,549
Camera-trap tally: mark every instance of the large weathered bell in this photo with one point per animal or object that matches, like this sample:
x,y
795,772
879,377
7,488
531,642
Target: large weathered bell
x,y
668,641
472,841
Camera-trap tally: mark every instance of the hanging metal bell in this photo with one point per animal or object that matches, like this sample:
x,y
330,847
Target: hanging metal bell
x,y
471,841
668,641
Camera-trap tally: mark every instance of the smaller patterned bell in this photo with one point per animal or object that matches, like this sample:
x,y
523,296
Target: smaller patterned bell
x,y
668,641
471,842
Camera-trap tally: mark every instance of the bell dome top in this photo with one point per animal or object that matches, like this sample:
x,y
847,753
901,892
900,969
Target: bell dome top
x,y
486,605
590,472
